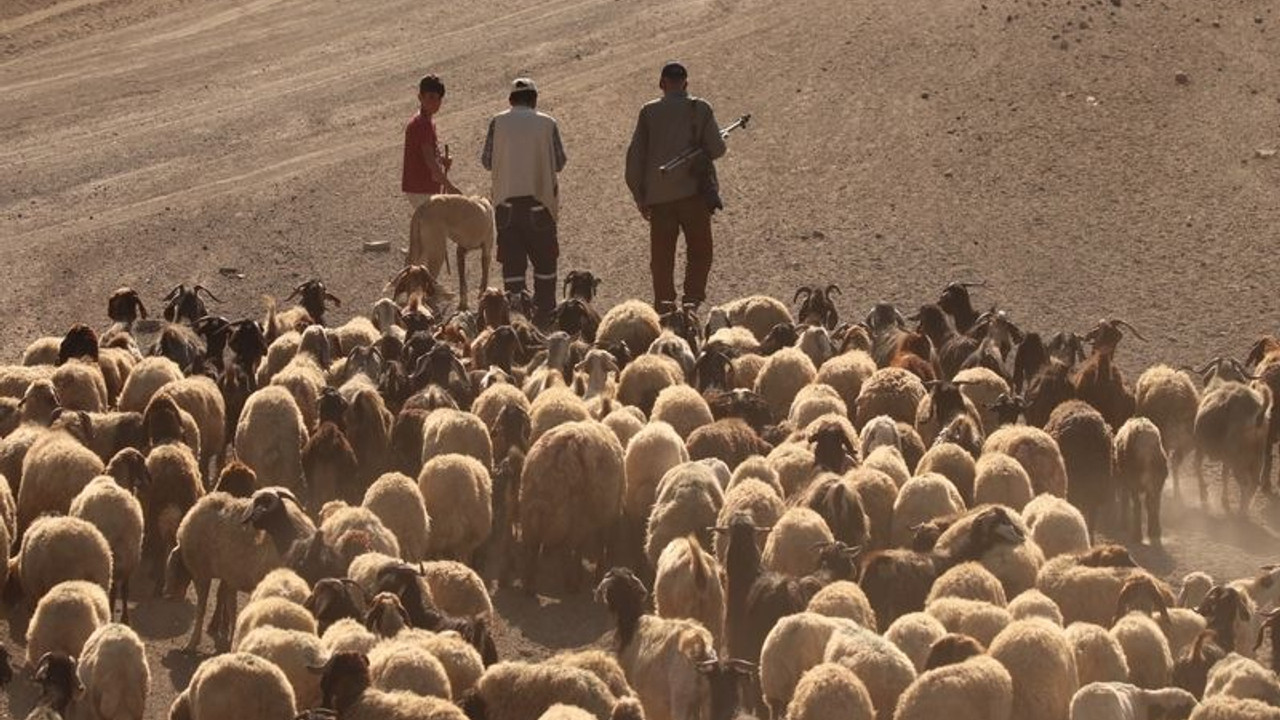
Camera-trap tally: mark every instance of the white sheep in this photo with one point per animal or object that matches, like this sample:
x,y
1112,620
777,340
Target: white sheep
x,y
1099,657
448,431
348,635
1169,399
883,668
846,373
281,583
687,585
983,387
795,644
794,464
756,467
146,378
889,391
757,313
830,691
65,618
1035,604
970,581
397,501
58,548
114,672
235,685
921,499
599,663
633,322
1001,480
814,401
518,691
683,408
1229,708
652,451
570,493
844,598
688,501
979,688
353,531
952,462
1038,454
270,438
782,377
458,494
914,634
645,378
54,471
80,386
1082,592
755,498
200,397
890,461
980,620
789,548
492,400
879,431
1242,677
878,492
274,612
118,516
1015,565
624,422
1043,668
1122,701
1195,585
294,652
1146,650
405,665
456,589
1056,526
461,661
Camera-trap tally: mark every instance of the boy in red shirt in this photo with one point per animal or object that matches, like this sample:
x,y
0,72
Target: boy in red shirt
x,y
425,170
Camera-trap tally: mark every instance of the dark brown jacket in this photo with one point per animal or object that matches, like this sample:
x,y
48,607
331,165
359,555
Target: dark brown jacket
x,y
665,128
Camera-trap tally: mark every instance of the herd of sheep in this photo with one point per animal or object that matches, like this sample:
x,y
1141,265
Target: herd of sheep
x,y
786,515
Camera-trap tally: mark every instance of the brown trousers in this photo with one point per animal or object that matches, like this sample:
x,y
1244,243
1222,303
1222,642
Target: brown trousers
x,y
666,220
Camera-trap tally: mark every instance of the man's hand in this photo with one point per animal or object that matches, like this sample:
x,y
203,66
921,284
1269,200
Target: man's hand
x,y
446,162
644,211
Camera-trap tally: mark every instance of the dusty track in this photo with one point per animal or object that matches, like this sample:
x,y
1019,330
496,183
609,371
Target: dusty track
x,y
898,144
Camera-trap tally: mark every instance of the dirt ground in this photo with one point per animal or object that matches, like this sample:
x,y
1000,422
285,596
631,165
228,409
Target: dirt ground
x,y
1045,147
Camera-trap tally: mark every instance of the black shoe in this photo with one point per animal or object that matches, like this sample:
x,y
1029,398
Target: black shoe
x,y
665,306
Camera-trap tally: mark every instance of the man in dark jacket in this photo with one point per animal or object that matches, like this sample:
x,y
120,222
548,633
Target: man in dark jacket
x,y
672,201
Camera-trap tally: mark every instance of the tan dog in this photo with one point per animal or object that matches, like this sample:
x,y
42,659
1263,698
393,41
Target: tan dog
x,y
467,220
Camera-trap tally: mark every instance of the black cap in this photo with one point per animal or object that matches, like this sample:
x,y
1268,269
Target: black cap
x,y
675,71
431,83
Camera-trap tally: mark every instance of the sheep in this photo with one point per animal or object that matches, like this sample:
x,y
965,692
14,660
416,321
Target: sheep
x,y
757,313
1000,479
834,442
649,455
397,501
54,471
884,669
812,402
174,487
1056,526
146,378
877,492
456,589
914,634
845,599
1191,668
758,501
846,373
57,549
659,656
348,635
281,583
352,531
272,612
923,498
270,438
1042,666
1087,586
840,506
1241,677
1038,454
976,618
114,672
292,651
829,691
65,618
1229,708
890,461
462,662
624,423
1232,425
1085,441
687,585
795,465
1035,604
789,547
796,643
199,396
688,501
1145,649
517,690
953,463
969,581
118,516
402,665
644,379
490,402
236,685
889,391
979,688
1099,656
599,663
1122,701
682,408
784,374
458,495
453,431
632,322
80,386
570,495
1168,398
1231,614
987,534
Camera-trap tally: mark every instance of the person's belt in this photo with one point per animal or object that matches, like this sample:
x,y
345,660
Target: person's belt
x,y
521,201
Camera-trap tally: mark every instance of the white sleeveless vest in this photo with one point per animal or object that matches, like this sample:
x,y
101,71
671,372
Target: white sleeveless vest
x,y
523,160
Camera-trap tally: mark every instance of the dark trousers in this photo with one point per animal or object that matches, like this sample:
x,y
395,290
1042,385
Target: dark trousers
x,y
527,234
666,220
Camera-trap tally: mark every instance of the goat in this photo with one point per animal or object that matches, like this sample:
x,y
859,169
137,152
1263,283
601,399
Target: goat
x,y
817,308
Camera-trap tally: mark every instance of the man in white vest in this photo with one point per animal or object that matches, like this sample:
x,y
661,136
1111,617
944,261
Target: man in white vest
x,y
524,153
